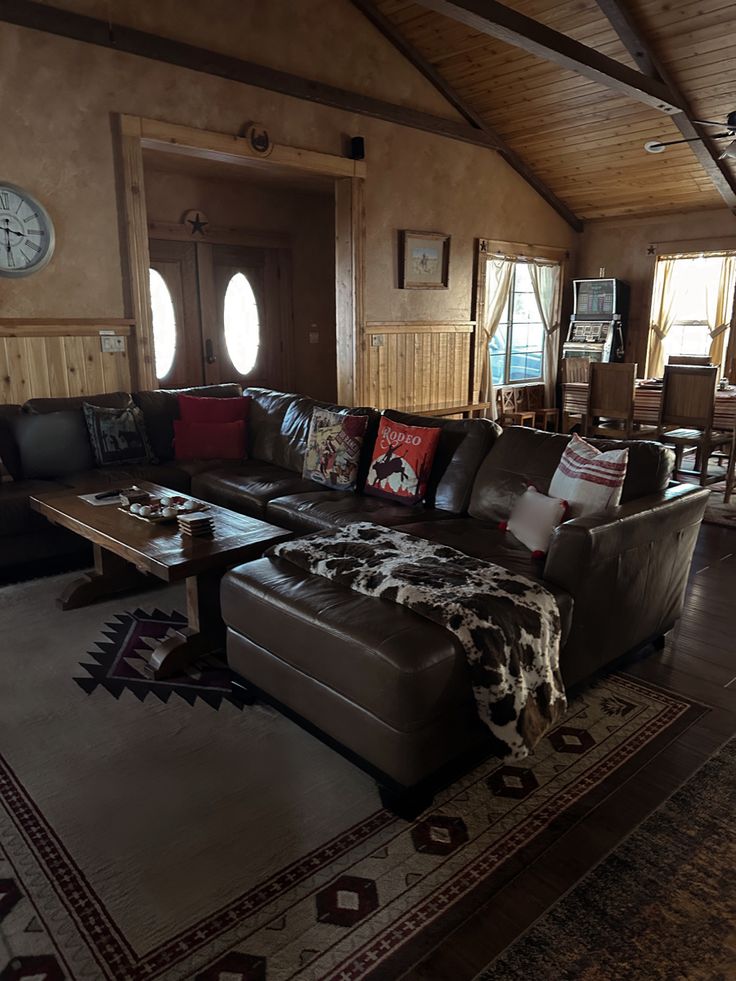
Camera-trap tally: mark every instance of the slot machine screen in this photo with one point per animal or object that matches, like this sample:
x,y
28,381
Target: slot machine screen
x,y
595,298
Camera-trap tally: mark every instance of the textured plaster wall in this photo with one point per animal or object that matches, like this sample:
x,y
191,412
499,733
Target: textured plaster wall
x,y
57,142
308,219
622,248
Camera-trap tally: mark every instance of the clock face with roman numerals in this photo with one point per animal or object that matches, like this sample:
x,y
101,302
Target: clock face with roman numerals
x,y
26,232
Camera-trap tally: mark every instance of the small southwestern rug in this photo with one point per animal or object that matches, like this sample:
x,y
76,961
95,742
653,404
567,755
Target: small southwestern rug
x,y
154,838
661,906
120,663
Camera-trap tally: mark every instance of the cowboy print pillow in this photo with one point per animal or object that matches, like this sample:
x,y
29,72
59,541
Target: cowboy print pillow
x,y
402,461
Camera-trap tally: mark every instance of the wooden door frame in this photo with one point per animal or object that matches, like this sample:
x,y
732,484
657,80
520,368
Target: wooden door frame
x,y
136,133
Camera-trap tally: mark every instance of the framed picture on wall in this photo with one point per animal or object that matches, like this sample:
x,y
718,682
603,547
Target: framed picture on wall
x,y
424,260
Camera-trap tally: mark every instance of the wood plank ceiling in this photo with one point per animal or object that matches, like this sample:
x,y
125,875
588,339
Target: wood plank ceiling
x,y
582,140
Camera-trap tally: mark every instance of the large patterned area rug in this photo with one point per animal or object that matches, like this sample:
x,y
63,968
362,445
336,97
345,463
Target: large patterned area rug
x,y
165,830
718,513
661,906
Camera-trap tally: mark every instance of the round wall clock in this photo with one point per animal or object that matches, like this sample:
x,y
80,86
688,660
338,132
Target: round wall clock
x,y
26,232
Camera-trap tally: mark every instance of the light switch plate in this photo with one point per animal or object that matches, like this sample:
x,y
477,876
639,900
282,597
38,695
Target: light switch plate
x,y
112,343
377,340
314,337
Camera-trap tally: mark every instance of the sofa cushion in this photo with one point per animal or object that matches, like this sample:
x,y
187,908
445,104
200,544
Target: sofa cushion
x,y
523,456
397,665
462,446
249,486
109,400
489,542
52,444
279,426
9,452
16,516
323,510
201,409
161,406
209,440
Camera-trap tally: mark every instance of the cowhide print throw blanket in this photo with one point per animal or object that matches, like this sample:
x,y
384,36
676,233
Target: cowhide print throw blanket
x,y
508,625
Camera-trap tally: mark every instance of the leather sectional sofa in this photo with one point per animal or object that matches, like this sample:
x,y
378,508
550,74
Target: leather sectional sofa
x,y
375,679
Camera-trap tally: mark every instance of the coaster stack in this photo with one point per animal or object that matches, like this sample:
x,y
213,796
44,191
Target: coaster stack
x,y
197,525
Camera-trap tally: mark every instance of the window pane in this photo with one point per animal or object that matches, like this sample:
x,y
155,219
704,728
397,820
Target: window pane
x,y
692,339
497,351
525,364
242,324
164,324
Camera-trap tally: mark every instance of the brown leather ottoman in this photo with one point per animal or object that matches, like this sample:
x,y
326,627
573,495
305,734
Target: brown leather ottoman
x,y
377,679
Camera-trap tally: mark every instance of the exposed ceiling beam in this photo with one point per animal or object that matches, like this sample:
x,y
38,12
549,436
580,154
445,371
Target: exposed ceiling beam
x,y
705,150
392,34
53,20
505,24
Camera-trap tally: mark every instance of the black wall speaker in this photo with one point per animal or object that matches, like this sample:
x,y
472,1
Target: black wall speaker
x,y
357,148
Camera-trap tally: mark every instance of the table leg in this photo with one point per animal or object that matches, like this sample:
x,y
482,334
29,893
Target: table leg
x,y
204,633
111,575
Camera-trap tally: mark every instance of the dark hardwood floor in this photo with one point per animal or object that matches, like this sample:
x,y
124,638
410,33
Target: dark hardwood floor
x,y
699,660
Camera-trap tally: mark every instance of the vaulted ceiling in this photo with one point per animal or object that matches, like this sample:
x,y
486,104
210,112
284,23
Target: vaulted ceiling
x,y
582,139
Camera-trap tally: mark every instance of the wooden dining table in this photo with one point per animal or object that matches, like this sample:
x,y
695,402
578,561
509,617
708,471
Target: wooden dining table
x,y
648,401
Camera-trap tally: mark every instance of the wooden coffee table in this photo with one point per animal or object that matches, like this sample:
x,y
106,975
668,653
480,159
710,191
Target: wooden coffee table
x,y
128,550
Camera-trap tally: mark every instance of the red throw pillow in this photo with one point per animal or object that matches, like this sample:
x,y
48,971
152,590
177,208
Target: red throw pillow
x,y
194,408
209,440
402,461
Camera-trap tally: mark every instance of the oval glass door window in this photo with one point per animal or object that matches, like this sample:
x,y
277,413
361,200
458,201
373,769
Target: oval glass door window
x,y
242,324
164,324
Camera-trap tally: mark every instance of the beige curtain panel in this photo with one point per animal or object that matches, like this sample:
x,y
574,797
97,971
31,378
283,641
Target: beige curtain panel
x,y
546,280
499,273
719,297
664,296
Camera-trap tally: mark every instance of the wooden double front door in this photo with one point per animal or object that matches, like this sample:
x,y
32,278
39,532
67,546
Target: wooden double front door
x,y
220,314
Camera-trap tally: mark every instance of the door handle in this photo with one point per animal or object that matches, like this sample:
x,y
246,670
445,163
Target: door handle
x,y
209,352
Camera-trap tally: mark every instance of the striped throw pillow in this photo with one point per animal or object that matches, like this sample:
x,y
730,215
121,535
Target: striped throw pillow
x,y
589,479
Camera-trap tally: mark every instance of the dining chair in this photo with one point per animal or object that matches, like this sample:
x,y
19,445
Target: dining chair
x,y
610,407
691,359
686,418
574,381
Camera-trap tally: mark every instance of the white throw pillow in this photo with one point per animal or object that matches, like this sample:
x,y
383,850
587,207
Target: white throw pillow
x,y
588,478
534,518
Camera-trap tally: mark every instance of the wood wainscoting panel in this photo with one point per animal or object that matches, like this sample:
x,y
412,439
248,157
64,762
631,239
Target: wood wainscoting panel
x,y
415,366
61,358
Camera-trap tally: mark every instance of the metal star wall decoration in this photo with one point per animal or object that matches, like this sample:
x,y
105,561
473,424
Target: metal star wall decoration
x,y
198,224
651,250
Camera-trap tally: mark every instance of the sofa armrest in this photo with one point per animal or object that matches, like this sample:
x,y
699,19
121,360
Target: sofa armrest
x,y
626,571
577,544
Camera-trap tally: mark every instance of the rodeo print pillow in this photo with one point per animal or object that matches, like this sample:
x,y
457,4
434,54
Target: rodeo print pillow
x,y
402,461
333,448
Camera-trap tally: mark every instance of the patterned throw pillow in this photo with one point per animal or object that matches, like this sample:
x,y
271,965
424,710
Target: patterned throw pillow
x,y
402,461
333,448
534,518
589,479
118,435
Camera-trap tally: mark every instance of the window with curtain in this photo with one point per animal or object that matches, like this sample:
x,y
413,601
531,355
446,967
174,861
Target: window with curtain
x,y
692,305
517,347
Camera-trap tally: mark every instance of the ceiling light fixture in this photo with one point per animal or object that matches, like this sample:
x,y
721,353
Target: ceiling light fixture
x,y
659,146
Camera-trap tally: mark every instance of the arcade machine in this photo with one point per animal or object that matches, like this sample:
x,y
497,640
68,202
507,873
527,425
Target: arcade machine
x,y
596,332
598,322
